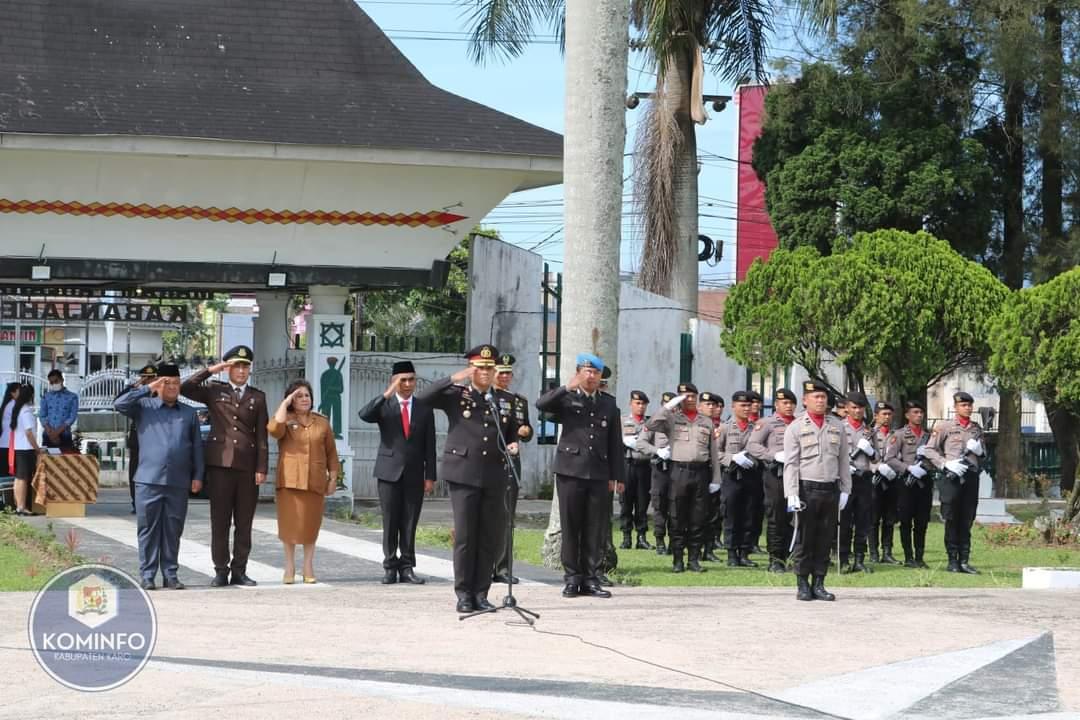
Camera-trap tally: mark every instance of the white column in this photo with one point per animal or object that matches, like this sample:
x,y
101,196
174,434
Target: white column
x,y
271,328
327,369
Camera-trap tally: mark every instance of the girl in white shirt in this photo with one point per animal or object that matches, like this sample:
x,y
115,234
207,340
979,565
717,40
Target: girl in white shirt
x,y
24,425
7,404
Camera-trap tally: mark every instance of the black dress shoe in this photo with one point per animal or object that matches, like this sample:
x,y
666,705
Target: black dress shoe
x,y
465,605
910,563
220,580
626,542
148,585
642,542
502,579
745,561
776,566
804,592
595,591
694,566
888,559
661,548
173,584
678,567
604,581
390,577
243,579
967,569
406,575
482,603
710,556
570,590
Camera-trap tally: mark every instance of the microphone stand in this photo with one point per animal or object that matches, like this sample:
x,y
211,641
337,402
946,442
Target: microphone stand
x,y
509,601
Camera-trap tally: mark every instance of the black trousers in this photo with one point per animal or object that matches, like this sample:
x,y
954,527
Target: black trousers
x,y
742,490
885,511
714,520
689,507
778,535
757,524
133,465
479,531
914,505
503,554
855,520
816,528
959,501
400,503
584,513
634,502
233,496
661,499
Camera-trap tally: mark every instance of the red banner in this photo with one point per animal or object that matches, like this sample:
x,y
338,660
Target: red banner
x,y
754,236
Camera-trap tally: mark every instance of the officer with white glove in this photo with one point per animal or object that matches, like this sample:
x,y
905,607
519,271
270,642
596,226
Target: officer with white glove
x,y
817,482
766,445
956,446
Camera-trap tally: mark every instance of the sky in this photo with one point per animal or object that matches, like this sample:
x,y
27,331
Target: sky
x,y
433,35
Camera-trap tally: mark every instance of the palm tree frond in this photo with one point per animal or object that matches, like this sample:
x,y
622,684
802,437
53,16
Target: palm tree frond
x,y
736,37
504,28
657,146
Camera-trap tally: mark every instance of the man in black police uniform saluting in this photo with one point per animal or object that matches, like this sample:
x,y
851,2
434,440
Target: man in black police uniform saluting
x,y
519,407
475,468
236,458
404,467
588,467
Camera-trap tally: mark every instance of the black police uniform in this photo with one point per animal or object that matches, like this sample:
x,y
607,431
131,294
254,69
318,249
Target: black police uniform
x,y
519,408
588,457
475,469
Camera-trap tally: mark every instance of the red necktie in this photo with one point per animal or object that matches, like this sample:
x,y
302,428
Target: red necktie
x,y
405,419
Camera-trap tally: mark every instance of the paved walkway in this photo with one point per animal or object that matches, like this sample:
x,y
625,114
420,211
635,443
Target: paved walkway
x,y
350,646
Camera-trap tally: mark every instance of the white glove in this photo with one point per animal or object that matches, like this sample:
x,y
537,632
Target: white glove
x,y
743,460
843,500
920,452
866,447
793,503
674,402
886,472
664,453
957,467
917,471
975,447
714,488
853,469
629,441
780,457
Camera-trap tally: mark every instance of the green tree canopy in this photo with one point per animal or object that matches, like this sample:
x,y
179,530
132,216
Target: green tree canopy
x,y
901,307
1036,340
884,138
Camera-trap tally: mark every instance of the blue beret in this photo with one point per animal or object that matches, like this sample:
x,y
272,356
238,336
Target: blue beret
x,y
589,360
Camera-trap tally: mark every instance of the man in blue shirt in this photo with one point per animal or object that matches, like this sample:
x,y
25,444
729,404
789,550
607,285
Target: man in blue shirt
x,y
58,412
170,464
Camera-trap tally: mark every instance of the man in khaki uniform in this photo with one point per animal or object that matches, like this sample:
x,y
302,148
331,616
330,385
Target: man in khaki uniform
x,y
914,484
883,507
956,447
741,482
634,501
857,517
694,450
712,406
767,447
817,483
654,444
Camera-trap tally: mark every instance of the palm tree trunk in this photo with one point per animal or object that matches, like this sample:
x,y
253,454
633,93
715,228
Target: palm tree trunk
x,y
677,96
595,135
1009,457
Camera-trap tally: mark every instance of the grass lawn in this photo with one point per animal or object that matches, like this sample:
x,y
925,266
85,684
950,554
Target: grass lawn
x,y
999,565
29,557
